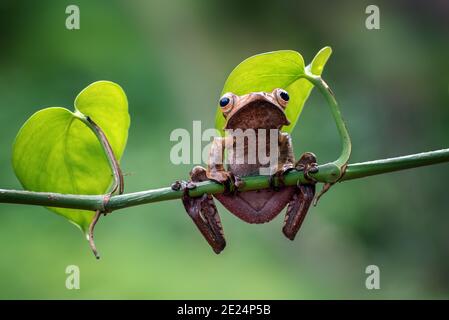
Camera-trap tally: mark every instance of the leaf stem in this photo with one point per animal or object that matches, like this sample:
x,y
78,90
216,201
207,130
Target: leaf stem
x,y
325,174
338,118
118,184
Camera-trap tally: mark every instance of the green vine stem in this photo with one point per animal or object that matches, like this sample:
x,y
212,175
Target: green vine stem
x,y
325,174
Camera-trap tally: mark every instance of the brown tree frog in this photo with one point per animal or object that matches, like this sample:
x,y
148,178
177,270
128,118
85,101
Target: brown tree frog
x,y
260,111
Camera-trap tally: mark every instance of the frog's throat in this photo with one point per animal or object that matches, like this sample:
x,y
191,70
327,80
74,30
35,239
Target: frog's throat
x,y
257,114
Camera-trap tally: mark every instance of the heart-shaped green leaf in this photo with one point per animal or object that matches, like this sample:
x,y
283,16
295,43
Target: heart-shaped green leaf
x,y
55,151
278,69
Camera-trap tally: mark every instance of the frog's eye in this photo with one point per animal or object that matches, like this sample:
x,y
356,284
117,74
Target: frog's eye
x,y
224,102
227,102
282,97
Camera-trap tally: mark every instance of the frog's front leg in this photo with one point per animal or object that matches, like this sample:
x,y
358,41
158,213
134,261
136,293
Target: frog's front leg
x,y
204,213
286,160
302,198
215,167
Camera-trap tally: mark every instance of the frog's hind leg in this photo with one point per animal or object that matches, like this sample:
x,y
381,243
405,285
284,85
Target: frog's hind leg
x,y
297,210
302,199
204,213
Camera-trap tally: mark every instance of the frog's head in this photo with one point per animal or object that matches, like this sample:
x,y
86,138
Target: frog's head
x,y
256,110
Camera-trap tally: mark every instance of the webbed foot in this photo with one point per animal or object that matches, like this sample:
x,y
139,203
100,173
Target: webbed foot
x,y
307,163
230,181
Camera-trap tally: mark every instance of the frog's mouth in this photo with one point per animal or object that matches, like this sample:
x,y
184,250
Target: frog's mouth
x,y
259,114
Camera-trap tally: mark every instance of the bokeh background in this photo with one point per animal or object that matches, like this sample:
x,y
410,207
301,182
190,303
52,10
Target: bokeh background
x,y
172,58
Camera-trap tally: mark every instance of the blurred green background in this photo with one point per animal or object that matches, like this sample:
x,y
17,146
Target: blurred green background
x,y
172,58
